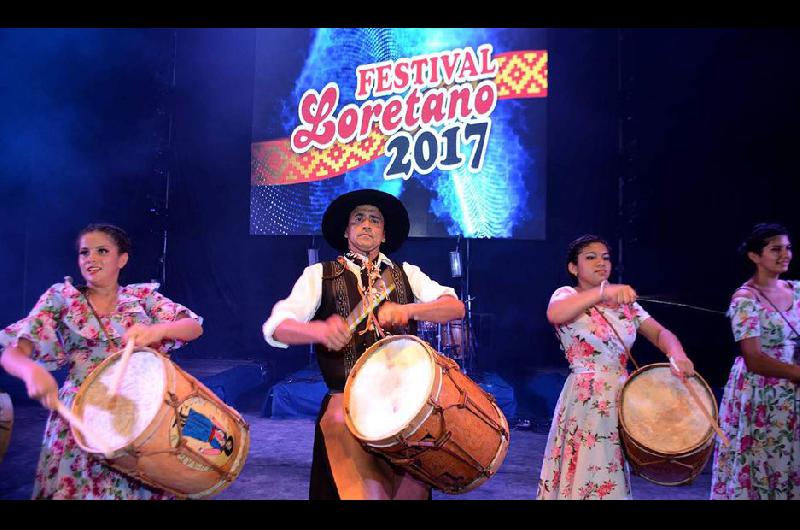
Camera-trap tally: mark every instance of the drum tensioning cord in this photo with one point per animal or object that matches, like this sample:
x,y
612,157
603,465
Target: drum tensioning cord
x,y
657,301
698,308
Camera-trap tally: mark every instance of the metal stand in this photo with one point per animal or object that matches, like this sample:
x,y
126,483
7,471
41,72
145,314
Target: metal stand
x,y
467,341
468,338
627,150
165,159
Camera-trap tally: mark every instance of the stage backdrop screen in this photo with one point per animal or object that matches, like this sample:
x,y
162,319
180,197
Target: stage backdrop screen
x,y
451,121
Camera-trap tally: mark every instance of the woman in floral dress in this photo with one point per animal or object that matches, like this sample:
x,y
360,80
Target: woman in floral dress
x,y
760,403
596,322
63,330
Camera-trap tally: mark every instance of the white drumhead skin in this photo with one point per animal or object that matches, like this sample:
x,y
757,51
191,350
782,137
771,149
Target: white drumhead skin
x,y
660,414
141,394
390,389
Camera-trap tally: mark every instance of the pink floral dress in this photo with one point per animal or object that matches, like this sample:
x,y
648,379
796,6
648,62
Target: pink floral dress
x,y
583,458
758,413
64,332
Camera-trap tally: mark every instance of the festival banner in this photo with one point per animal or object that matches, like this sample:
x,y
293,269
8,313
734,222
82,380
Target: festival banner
x,y
451,121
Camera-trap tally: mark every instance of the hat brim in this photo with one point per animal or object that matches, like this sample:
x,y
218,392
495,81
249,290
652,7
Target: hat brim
x,y
337,216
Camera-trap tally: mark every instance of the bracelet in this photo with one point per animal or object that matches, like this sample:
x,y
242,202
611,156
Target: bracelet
x,y
602,288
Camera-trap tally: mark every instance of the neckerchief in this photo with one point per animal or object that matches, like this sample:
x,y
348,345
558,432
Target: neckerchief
x,y
371,281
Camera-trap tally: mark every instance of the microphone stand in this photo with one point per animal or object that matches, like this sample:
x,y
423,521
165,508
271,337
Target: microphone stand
x,y
468,344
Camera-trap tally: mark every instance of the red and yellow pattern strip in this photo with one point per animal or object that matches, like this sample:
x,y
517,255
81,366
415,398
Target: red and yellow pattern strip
x,y
522,74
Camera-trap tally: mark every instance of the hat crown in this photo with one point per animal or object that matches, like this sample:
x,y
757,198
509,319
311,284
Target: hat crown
x,y
337,217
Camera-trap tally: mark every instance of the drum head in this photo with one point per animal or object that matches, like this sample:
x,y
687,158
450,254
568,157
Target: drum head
x,y
141,393
390,388
659,413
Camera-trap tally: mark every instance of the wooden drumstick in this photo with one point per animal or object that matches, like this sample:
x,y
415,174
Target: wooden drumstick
x,y
700,405
91,436
123,365
362,309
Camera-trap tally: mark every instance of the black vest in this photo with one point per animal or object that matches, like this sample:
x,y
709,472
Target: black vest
x,y
340,296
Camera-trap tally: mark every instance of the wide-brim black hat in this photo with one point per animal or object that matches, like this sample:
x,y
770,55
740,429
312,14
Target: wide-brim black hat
x,y
337,216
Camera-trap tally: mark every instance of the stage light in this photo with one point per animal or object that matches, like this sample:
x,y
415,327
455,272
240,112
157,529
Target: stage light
x,y
455,264
313,256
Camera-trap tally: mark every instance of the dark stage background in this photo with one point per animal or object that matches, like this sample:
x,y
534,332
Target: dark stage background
x,y
700,125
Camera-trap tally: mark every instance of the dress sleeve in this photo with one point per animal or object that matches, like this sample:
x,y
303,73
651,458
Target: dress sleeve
x,y
795,287
639,314
562,293
161,309
40,327
301,305
745,318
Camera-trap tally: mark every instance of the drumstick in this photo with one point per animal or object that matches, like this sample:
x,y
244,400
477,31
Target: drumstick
x,y
87,432
123,365
701,406
361,311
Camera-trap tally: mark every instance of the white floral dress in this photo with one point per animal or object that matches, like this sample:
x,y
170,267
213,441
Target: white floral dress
x,y
759,414
65,333
583,458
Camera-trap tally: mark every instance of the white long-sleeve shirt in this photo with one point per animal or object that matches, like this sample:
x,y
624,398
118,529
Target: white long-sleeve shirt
x,y
306,295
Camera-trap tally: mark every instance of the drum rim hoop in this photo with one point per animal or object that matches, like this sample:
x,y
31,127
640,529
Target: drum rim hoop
x,y
629,440
423,412
707,448
624,428
169,386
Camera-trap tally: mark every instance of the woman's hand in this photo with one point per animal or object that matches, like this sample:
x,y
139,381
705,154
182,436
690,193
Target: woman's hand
x,y
617,294
681,365
144,335
42,386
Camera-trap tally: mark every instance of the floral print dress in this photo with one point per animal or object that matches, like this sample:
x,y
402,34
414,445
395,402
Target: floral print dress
x,y
583,458
65,333
758,413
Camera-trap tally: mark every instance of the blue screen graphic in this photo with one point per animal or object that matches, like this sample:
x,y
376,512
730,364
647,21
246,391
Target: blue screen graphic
x,y
505,199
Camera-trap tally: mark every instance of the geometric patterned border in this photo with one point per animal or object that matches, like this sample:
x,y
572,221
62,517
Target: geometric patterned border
x,y
522,74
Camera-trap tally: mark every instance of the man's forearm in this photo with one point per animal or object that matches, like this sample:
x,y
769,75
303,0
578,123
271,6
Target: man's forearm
x,y
291,331
443,309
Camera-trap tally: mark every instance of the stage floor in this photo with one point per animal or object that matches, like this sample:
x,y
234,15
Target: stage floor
x,y
280,459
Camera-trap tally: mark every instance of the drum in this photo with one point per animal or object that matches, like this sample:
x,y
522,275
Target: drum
x,y
452,339
429,332
165,428
666,437
415,407
446,338
6,423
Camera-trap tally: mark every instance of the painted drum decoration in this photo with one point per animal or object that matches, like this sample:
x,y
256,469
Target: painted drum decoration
x,y
165,427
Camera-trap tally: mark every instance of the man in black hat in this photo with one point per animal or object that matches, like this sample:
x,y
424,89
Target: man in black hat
x,y
359,224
